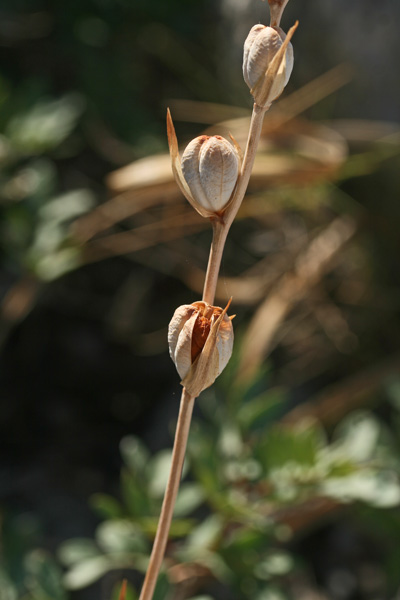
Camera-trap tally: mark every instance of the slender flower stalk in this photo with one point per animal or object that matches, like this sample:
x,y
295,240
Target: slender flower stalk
x,y
171,492
201,190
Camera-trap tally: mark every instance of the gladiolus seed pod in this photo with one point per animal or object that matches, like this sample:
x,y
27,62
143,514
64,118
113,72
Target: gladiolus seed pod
x,y
267,62
208,172
210,166
200,339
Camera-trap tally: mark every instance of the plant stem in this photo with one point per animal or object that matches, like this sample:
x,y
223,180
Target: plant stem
x,y
256,122
171,492
220,231
221,226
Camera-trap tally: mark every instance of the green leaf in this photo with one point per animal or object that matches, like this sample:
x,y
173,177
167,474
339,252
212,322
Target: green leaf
x,y
378,488
77,549
45,125
157,472
121,536
162,588
284,446
257,413
44,578
190,497
357,436
106,506
206,534
68,206
135,494
56,263
8,591
134,453
276,563
230,441
87,572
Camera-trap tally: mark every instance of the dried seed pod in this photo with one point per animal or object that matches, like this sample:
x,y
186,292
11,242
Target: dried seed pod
x,y
210,166
267,62
200,339
208,172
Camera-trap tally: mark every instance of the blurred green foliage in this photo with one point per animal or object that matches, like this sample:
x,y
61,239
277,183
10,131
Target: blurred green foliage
x,y
251,485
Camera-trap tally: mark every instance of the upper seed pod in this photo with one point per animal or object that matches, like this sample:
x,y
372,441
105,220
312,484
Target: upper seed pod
x,y
208,172
200,339
210,166
267,62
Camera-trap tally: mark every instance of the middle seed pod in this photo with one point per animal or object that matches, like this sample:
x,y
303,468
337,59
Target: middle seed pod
x,y
210,166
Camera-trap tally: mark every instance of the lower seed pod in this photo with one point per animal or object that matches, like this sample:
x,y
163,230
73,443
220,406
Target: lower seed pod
x,y
200,339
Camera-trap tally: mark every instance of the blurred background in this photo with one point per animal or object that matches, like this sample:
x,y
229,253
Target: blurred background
x,y
292,486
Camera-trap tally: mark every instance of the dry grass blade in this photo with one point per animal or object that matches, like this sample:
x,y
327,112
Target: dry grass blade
x,y
338,400
126,242
310,266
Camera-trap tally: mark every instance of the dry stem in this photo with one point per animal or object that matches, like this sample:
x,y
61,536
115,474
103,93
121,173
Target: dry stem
x,y
171,492
221,226
220,231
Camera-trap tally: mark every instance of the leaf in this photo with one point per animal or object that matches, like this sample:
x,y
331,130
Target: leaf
x,y
67,206
357,436
77,549
86,572
121,536
206,534
261,411
134,453
44,578
157,472
162,588
276,563
230,441
296,446
106,506
56,263
190,497
380,489
8,591
135,495
45,125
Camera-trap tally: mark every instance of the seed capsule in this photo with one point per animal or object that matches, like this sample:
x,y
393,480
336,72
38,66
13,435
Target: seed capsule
x,y
267,62
208,172
210,166
200,339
